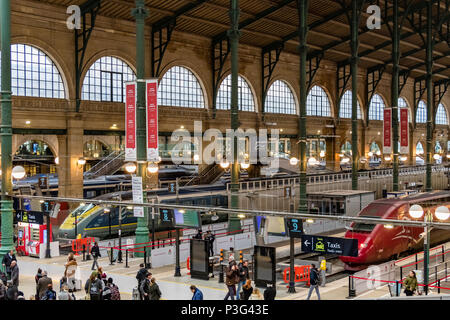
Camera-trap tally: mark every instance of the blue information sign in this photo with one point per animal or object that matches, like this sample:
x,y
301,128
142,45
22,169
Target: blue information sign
x,y
330,245
294,227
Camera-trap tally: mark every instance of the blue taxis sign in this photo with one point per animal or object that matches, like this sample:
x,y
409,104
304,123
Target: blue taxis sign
x,y
330,245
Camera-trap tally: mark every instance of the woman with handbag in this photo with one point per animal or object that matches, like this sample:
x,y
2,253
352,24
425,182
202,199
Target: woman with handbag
x,y
410,283
93,287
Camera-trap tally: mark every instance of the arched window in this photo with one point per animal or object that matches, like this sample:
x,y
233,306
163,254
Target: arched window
x,y
280,99
105,80
376,108
421,115
317,103
34,74
402,104
245,95
345,107
420,154
180,88
441,115
95,149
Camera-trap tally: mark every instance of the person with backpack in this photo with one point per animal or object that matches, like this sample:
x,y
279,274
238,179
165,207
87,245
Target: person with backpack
x,y
197,294
270,293
140,276
115,293
7,260
49,294
232,277
95,252
144,287
314,281
93,287
154,292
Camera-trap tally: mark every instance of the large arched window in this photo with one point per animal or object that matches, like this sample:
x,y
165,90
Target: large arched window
x,y
317,103
376,108
105,80
441,115
421,115
245,95
180,88
402,104
34,74
345,107
280,99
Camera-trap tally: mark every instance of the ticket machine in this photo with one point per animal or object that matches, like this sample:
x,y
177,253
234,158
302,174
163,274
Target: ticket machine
x,y
31,232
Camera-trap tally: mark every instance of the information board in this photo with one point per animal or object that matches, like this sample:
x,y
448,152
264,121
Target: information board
x,y
276,226
294,227
187,218
199,259
329,245
166,216
265,265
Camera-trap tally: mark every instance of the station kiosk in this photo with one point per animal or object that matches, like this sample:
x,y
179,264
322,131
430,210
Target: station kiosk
x,y
31,232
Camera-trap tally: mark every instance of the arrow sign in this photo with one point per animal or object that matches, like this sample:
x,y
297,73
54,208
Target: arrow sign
x,y
330,245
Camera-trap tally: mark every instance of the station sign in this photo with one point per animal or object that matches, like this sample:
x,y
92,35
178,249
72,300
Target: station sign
x,y
330,245
404,131
43,182
166,216
387,130
130,121
151,98
29,216
294,227
173,187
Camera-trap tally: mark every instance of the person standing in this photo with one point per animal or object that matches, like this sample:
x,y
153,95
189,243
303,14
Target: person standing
x,y
115,293
144,288
410,283
49,294
197,294
94,287
243,276
210,238
232,277
95,251
247,290
71,267
270,293
314,281
43,284
15,273
64,293
323,270
198,235
6,262
140,276
36,279
154,292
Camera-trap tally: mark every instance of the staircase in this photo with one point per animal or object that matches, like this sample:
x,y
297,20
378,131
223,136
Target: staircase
x,y
209,175
107,166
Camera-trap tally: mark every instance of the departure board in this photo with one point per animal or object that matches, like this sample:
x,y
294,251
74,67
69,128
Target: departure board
x,y
187,218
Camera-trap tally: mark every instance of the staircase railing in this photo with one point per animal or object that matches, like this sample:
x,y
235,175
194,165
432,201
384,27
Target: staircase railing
x,y
108,165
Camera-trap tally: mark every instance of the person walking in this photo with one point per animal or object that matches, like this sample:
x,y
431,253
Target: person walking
x,y
43,283
14,273
71,267
144,288
323,270
314,281
243,276
93,287
210,238
247,290
410,283
6,262
232,277
95,252
270,293
196,293
141,276
154,292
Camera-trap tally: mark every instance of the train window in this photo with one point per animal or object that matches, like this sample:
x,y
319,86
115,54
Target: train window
x,y
101,221
363,227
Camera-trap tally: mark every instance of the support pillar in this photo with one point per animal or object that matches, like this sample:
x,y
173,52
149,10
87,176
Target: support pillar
x,y
140,13
430,98
394,93
234,222
7,242
354,71
302,6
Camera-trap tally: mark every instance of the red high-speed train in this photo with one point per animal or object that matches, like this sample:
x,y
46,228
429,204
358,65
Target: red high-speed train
x,y
376,243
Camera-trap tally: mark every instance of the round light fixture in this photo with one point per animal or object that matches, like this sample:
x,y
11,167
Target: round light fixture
x,y
152,168
436,156
81,161
403,158
442,213
130,167
309,220
416,211
370,154
293,161
245,165
322,154
345,160
387,158
224,164
18,172
57,160
196,157
312,161
378,153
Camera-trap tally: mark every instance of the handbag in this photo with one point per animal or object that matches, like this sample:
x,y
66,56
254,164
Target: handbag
x,y
88,294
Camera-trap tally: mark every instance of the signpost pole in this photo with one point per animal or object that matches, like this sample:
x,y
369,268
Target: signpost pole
x,y
291,267
47,250
177,253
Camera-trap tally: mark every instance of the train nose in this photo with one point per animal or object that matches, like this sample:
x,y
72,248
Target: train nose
x,y
364,248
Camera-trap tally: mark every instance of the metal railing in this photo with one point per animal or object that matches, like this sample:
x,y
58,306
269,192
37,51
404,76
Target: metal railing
x,y
110,162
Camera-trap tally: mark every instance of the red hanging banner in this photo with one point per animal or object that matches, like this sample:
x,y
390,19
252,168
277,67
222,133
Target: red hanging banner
x,y
404,131
130,122
151,94
387,129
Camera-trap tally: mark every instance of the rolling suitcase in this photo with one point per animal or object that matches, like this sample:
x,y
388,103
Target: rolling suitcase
x,y
135,295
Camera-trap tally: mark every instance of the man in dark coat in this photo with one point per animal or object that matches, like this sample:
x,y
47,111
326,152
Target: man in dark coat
x,y
210,238
95,251
43,283
140,276
7,260
144,288
270,292
14,273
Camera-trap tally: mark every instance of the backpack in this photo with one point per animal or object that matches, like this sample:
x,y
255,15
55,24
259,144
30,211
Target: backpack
x,y
106,293
94,288
49,295
115,294
314,277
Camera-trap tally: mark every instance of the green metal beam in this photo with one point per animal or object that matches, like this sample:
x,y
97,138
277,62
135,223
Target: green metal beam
x,y
6,210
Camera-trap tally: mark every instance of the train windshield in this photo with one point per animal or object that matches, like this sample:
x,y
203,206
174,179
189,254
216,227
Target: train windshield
x,y
81,208
364,227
